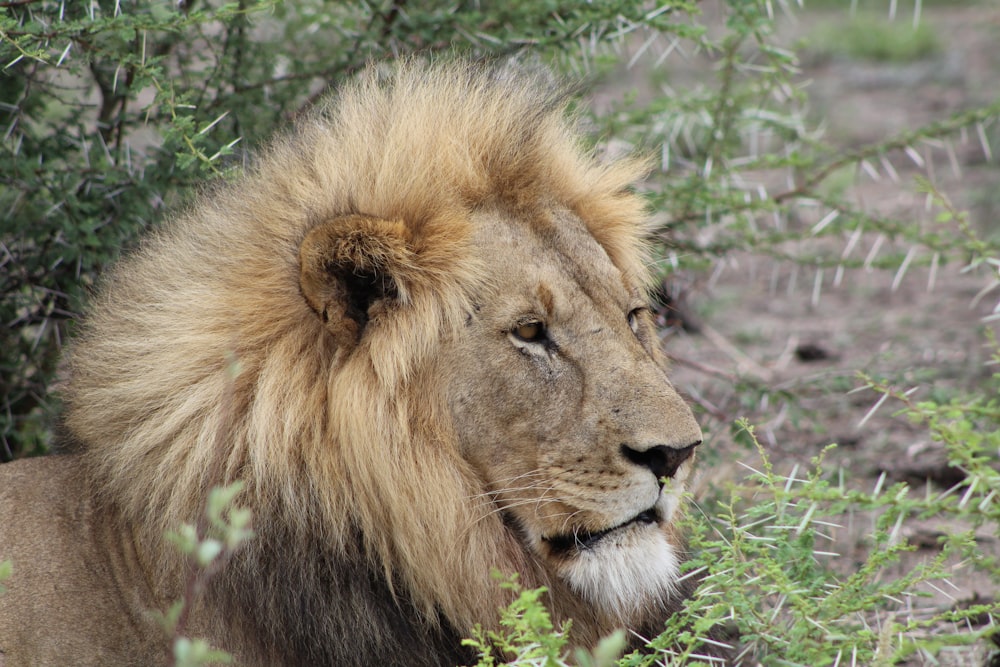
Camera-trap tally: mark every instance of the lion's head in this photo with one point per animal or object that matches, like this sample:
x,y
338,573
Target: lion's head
x,y
434,302
561,405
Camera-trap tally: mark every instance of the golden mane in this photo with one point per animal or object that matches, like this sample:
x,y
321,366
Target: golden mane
x,y
200,361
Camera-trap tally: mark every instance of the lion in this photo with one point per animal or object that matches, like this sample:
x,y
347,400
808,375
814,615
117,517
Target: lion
x,y
416,329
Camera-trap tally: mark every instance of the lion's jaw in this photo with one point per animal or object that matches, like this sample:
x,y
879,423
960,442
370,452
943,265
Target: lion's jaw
x,y
562,407
630,567
626,572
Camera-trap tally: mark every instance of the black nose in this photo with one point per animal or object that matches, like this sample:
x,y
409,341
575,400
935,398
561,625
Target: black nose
x,y
662,461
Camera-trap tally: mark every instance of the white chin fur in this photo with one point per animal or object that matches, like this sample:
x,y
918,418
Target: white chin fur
x,y
624,572
628,570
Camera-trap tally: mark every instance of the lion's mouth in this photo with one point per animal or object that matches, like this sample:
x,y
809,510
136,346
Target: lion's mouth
x,y
581,540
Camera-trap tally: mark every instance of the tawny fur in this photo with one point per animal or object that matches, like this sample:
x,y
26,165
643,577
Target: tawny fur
x,y
207,358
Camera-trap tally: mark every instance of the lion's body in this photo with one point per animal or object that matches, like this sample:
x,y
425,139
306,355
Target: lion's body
x,y
70,567
415,331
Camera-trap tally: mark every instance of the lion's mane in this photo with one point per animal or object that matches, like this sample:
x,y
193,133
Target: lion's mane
x,y
201,363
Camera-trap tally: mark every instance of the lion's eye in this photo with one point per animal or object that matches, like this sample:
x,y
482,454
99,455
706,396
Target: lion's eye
x,y
633,319
530,332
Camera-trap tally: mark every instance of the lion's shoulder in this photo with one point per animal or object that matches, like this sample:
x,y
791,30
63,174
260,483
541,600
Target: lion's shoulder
x,y
73,576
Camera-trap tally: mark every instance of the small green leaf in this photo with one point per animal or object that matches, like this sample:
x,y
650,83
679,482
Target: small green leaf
x,y
208,551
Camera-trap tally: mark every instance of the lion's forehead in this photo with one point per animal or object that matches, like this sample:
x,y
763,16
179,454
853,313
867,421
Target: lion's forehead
x,y
550,258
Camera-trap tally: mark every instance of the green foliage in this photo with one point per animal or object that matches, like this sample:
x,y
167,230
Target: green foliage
x,y
528,636
770,572
192,652
105,116
208,546
742,169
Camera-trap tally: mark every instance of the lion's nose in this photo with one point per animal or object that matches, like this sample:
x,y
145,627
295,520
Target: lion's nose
x,y
661,460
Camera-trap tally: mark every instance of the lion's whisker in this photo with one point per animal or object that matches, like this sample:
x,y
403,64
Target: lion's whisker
x,y
505,490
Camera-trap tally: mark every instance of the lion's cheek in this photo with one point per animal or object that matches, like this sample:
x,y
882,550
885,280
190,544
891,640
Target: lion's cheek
x,y
503,438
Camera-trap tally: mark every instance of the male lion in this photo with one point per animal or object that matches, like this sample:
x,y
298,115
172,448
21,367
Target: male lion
x,y
434,300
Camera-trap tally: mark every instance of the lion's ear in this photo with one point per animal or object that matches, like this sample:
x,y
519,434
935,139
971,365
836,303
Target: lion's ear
x,y
349,271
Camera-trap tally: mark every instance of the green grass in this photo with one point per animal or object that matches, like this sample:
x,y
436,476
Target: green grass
x,y
6,569
872,37
903,7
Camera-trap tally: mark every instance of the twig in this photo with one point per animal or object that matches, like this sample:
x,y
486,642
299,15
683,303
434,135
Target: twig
x,y
702,368
707,405
744,363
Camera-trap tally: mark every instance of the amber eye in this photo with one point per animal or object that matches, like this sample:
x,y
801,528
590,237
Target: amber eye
x,y
633,319
530,332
